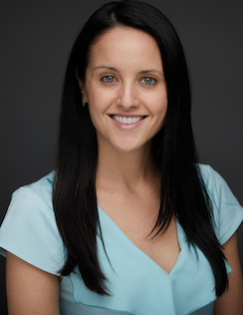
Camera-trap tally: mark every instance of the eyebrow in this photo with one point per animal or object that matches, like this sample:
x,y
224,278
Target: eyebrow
x,y
141,72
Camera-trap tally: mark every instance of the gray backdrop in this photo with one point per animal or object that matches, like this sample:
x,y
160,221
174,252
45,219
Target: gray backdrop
x,y
36,38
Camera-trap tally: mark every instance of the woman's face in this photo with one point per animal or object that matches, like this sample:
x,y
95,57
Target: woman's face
x,y
125,89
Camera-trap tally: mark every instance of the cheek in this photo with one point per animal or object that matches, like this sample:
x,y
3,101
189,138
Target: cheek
x,y
160,105
94,101
159,110
98,104
98,97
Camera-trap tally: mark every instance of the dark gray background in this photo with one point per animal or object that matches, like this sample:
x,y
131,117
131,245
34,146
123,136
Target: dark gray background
x,y
36,38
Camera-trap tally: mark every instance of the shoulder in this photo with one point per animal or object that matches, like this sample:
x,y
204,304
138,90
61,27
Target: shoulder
x,y
216,184
228,213
35,197
217,187
29,229
32,205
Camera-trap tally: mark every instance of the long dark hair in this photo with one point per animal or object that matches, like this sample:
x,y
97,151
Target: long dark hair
x,y
173,151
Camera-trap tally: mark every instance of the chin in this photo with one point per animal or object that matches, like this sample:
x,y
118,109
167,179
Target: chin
x,y
128,146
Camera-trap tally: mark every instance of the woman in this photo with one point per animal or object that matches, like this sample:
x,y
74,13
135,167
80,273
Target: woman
x,y
129,222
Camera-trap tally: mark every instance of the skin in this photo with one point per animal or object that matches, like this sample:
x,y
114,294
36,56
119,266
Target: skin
x,y
126,51
124,162
29,289
231,302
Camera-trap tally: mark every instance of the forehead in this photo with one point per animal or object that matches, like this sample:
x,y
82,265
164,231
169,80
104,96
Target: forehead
x,y
126,46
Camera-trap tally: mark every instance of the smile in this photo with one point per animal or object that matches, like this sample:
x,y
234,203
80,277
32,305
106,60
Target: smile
x,y
127,120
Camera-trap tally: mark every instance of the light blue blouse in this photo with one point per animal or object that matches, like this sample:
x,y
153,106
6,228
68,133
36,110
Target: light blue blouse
x,y
139,286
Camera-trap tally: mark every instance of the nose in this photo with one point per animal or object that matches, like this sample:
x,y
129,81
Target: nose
x,y
128,97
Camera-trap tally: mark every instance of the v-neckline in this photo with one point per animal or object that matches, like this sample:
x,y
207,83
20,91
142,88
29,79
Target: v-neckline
x,y
180,241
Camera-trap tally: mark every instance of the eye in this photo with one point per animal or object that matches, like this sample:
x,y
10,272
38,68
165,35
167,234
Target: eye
x,y
148,81
108,78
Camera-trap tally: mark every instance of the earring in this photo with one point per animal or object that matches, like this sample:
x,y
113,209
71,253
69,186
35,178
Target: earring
x,y
83,101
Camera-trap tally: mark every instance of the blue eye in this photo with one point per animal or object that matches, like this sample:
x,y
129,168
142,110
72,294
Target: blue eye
x,y
108,78
148,81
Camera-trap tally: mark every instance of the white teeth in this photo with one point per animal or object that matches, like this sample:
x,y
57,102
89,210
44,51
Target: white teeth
x,y
127,120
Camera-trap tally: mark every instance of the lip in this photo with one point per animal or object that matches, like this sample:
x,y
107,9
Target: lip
x,y
122,126
127,115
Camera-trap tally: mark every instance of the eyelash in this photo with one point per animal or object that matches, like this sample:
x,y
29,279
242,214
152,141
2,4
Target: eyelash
x,y
110,76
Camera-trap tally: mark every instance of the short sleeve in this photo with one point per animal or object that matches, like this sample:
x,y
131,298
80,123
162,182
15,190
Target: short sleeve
x,y
228,213
29,230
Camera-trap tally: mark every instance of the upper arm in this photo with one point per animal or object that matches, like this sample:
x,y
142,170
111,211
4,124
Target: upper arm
x,y
30,290
231,302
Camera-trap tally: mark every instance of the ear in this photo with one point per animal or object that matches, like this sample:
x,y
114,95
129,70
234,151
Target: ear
x,y
81,85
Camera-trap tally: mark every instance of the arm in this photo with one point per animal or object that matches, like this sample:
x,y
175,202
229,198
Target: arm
x,y
29,289
231,302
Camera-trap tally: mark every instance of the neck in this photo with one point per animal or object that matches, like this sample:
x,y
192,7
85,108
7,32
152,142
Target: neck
x,y
124,170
